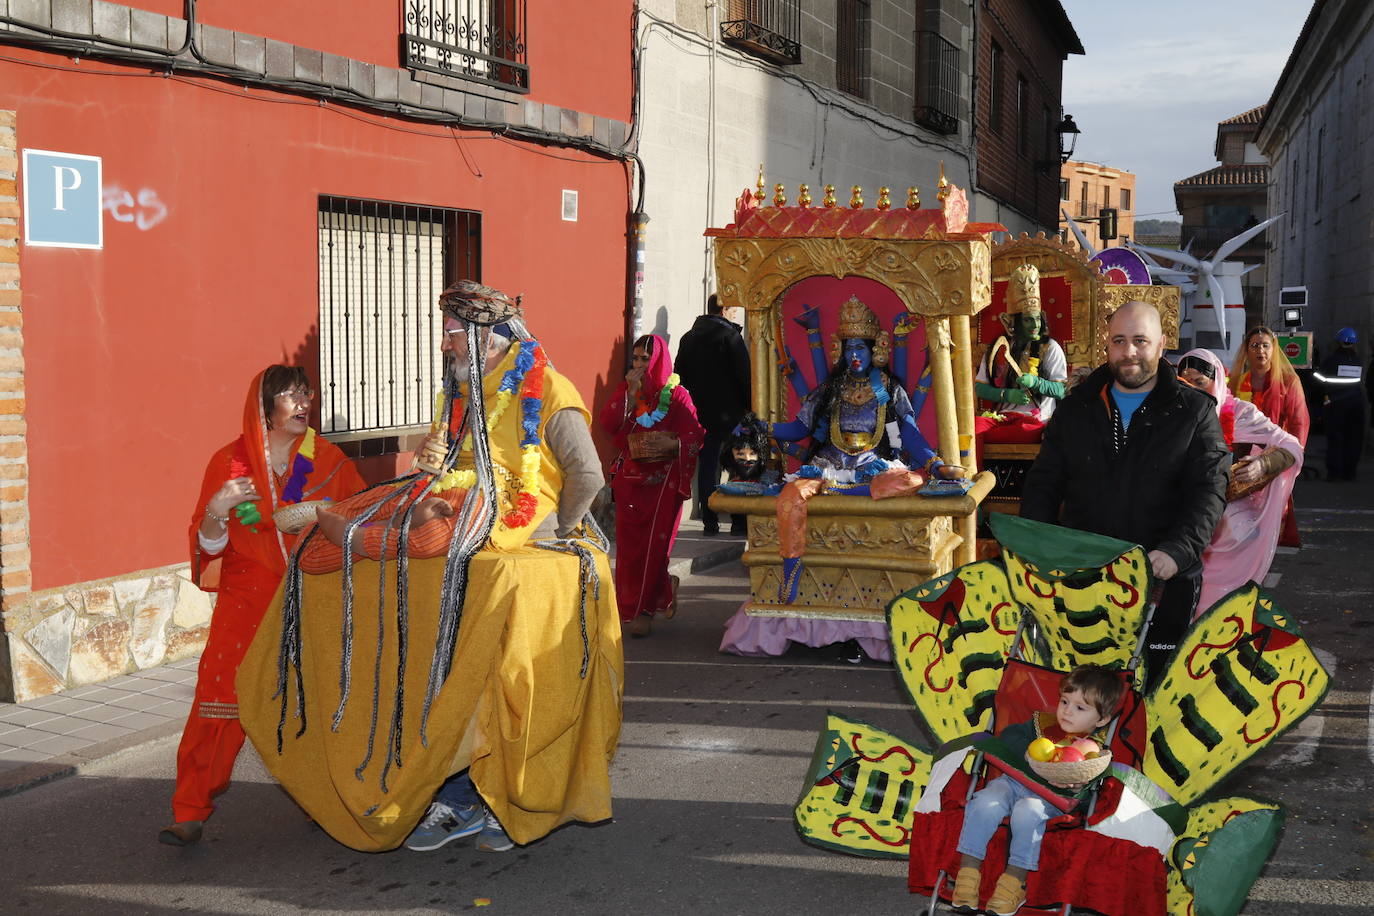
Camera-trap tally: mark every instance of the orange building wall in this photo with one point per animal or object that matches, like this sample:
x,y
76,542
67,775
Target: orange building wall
x,y
137,355
1099,177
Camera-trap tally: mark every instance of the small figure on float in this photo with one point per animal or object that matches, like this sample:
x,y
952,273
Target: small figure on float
x,y
749,460
1024,373
860,421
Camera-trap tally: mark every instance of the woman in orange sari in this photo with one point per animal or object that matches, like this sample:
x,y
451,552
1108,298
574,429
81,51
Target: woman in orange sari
x,y
238,552
654,424
1263,376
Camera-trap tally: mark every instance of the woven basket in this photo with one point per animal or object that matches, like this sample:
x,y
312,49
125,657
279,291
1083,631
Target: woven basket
x,y
653,445
297,516
1073,772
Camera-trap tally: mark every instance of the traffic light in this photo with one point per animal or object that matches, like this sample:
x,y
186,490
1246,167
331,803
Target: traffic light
x,y
1107,221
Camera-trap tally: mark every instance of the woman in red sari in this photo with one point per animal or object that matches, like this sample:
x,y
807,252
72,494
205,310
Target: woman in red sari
x,y
1263,376
238,552
654,425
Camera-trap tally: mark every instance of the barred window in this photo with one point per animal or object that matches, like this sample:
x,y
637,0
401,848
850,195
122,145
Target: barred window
x,y
995,88
478,40
382,268
852,22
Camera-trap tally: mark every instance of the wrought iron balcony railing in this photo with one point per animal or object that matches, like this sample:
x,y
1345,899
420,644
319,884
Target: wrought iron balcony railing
x,y
479,40
937,83
770,29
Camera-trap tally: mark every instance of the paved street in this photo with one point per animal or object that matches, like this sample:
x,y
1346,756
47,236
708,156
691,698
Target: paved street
x,y
710,763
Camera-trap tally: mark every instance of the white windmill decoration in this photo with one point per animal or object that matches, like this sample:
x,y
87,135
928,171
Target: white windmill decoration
x,y
1208,285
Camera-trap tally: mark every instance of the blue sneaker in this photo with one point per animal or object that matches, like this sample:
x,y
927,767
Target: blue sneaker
x,y
443,824
492,837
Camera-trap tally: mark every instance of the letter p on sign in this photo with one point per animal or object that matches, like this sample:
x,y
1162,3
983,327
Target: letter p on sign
x,y
62,200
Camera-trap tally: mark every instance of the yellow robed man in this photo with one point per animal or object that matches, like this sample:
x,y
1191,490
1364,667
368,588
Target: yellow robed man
x,y
480,697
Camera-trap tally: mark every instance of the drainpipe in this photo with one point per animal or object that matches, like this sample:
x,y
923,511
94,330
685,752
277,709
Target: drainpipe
x,y
639,222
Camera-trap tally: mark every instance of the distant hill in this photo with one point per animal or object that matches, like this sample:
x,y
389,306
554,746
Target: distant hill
x,y
1158,227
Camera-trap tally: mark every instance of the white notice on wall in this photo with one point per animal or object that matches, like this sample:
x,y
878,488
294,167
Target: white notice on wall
x,y
569,206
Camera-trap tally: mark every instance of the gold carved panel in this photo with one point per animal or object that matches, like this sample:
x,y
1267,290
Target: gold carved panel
x,y
1055,259
1163,298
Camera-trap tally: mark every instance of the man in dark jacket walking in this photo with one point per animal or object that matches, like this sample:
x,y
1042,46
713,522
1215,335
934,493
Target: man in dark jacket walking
x,y
713,364
1135,454
1340,375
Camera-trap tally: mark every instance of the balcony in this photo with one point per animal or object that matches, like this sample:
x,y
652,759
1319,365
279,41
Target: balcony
x,y
937,83
770,29
478,40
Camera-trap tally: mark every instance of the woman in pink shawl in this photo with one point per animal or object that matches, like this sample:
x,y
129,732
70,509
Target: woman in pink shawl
x,y
1243,545
654,425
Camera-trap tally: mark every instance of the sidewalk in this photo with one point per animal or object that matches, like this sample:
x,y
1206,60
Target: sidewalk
x,y
56,736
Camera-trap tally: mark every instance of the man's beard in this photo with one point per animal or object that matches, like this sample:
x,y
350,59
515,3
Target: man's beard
x,y
1144,378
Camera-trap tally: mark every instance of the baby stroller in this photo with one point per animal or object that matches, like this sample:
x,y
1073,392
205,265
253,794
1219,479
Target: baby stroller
x,y
1240,678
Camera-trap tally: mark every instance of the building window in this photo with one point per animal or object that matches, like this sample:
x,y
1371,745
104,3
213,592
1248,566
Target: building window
x,y
937,83
1316,157
382,268
479,40
995,88
1125,198
1083,200
1047,132
770,29
1063,189
1106,195
852,25
1022,115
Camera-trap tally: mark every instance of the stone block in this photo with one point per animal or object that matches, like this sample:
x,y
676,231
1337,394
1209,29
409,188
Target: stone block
x,y
193,607
186,643
39,12
51,638
147,28
32,679
386,83
474,107
502,112
148,636
454,102
408,90
110,20
567,122
533,113
431,96
68,16
101,653
250,52
279,59
75,600
361,78
335,70
33,609
309,65
216,44
601,131
129,592
100,601
176,33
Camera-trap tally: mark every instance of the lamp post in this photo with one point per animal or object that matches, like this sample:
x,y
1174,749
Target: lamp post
x,y
1065,128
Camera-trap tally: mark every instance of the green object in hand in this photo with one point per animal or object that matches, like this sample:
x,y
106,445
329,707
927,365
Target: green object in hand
x,y
248,514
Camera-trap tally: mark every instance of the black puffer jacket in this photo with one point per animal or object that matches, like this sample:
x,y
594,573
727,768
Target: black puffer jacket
x,y
713,363
1164,490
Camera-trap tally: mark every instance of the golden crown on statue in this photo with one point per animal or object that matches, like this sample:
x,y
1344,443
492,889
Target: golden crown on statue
x,y
857,322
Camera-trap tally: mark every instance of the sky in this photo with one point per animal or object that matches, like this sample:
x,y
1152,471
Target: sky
x,y
1158,75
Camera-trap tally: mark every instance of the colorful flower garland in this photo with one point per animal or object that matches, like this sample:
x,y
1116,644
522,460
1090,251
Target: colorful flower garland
x,y
528,377
300,469
645,417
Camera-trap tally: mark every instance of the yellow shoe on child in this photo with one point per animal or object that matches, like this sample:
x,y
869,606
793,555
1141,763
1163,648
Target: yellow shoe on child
x,y
1007,896
966,885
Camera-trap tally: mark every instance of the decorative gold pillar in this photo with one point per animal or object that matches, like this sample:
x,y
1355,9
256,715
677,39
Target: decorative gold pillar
x,y
761,358
967,526
942,382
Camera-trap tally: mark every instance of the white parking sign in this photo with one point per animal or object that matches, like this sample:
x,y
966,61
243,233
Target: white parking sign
x,y
62,200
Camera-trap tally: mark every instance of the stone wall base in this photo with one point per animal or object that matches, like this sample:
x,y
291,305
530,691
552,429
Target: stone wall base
x,y
93,631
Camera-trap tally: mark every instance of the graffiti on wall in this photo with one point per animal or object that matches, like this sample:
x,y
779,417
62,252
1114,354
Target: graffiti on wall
x,y
143,207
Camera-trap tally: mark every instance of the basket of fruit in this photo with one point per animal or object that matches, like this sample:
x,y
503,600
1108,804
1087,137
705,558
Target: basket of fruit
x,y
1068,763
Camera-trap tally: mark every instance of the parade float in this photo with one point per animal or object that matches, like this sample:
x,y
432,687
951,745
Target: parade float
x,y
918,277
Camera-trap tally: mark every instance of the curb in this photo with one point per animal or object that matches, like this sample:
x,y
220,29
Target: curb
x,y
60,767
725,553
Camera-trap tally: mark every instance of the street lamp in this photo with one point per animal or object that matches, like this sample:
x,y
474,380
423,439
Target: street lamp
x,y
1065,128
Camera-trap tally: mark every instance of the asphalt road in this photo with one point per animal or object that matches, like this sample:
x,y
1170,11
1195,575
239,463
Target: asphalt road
x,y
711,760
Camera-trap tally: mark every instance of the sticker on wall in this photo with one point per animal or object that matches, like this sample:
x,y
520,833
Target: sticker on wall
x,y
62,202
569,206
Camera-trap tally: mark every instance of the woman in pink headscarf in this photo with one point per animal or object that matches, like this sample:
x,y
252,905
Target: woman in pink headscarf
x,y
654,425
1243,545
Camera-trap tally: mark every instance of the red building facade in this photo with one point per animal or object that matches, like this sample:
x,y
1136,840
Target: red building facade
x,y
289,187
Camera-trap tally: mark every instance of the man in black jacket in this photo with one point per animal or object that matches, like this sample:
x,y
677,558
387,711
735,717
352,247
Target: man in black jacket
x,y
713,364
1135,454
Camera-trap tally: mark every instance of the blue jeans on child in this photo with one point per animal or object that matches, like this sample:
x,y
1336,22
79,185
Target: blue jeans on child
x,y
990,805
